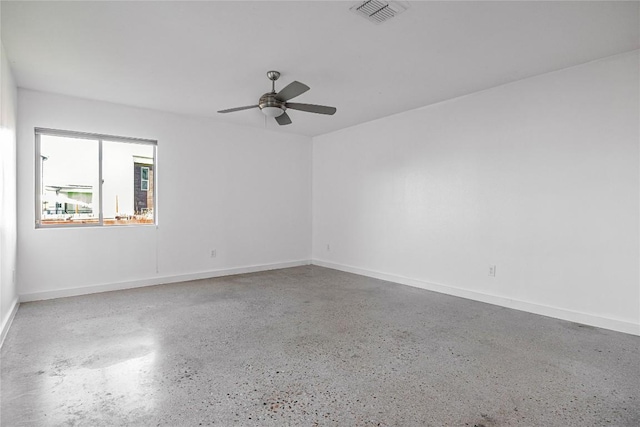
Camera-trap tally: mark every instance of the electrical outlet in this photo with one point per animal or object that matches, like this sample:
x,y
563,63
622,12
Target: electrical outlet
x,y
214,253
492,270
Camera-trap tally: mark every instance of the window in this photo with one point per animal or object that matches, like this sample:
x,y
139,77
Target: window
x,y
144,178
87,179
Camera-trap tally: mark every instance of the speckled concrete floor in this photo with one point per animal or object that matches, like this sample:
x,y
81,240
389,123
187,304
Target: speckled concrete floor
x,y
309,346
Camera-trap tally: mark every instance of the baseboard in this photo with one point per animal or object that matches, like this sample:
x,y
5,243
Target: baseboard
x,y
160,280
555,312
6,322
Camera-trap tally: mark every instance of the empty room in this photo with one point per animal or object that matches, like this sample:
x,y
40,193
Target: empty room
x,y
320,213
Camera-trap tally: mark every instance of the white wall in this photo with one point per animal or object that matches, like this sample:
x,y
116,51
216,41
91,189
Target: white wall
x,y
8,230
242,191
539,177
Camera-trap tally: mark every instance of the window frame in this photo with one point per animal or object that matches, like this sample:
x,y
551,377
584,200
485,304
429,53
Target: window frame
x,y
99,138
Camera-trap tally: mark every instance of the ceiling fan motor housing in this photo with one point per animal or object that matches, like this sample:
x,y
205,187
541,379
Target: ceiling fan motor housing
x,y
270,105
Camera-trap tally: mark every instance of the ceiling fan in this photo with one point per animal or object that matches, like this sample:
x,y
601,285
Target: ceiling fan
x,y
274,104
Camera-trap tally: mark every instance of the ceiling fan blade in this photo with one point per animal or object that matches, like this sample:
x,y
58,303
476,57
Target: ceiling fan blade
x,y
291,90
283,119
231,110
311,108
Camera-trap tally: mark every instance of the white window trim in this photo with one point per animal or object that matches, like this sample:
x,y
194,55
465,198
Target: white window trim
x,y
99,138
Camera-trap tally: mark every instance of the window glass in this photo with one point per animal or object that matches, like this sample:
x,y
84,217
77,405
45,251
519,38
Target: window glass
x,y
69,180
86,179
127,171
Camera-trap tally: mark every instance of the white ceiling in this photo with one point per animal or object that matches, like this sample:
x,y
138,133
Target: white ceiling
x,y
199,57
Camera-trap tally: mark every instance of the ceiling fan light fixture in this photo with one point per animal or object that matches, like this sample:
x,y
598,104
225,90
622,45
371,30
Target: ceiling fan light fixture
x,y
272,111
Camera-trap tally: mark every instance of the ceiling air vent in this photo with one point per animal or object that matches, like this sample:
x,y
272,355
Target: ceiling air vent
x,y
379,11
